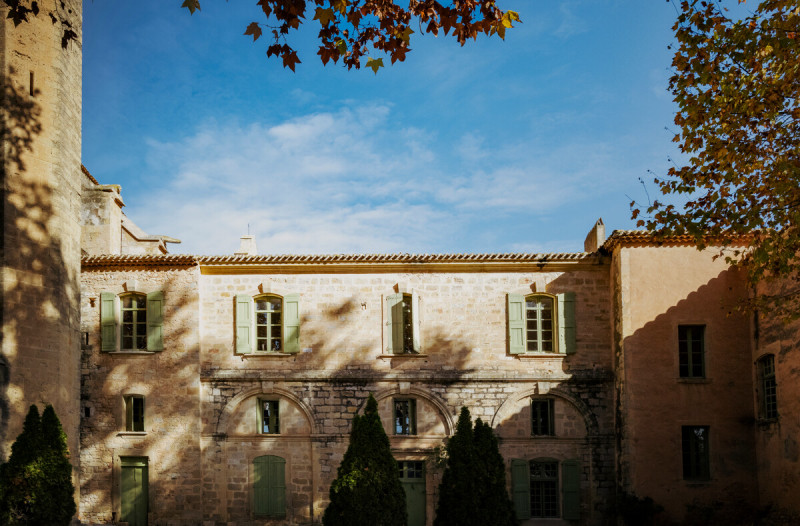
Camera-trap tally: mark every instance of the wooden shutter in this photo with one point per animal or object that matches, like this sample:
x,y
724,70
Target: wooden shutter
x,y
521,488
291,323
108,321
394,323
269,486
415,329
155,321
516,324
566,323
244,324
571,489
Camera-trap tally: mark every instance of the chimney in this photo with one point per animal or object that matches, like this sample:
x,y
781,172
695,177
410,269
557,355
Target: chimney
x,y
247,246
596,237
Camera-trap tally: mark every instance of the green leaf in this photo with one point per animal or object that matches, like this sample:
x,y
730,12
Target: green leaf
x,y
375,64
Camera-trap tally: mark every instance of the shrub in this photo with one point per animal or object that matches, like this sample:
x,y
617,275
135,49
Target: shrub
x,y
367,490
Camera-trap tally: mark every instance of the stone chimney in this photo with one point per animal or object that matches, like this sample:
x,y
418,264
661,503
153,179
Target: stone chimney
x,y
596,237
247,246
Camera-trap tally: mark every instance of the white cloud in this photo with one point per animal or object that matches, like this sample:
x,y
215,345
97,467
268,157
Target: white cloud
x,y
352,180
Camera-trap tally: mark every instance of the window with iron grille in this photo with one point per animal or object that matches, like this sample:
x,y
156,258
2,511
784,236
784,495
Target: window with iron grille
x,y
691,351
544,489
768,387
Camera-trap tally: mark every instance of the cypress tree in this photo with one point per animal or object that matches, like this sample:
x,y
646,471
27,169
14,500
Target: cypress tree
x,y
36,482
367,490
473,488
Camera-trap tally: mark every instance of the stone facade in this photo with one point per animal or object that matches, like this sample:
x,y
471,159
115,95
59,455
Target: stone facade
x,y
40,237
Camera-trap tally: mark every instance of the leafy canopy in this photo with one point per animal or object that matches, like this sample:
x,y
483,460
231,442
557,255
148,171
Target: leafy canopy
x,y
367,490
348,29
737,86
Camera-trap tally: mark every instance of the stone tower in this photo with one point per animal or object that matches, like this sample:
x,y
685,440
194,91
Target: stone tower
x,y
40,241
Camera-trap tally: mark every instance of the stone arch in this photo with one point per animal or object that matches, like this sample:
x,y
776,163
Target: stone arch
x,y
233,404
589,418
429,397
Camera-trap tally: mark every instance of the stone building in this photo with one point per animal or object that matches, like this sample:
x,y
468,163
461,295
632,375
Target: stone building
x,y
220,389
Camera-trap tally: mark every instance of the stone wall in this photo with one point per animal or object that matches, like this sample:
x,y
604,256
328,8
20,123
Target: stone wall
x,y
40,203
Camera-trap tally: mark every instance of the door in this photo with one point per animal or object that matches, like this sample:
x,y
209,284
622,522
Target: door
x,y
134,490
412,475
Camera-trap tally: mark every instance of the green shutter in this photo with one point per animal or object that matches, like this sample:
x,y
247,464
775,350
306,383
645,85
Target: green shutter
x,y
155,321
269,486
291,323
516,323
415,333
571,489
108,321
566,323
521,488
244,324
394,322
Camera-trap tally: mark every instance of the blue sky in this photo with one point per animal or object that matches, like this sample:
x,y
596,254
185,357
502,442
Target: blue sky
x,y
499,146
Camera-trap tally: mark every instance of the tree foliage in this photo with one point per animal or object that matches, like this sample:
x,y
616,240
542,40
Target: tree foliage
x,y
36,482
737,86
367,490
473,488
350,29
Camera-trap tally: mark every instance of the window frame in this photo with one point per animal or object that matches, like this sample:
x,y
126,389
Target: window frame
x,y
402,314
112,322
274,402
136,312
547,422
410,427
130,413
695,453
245,336
539,322
563,320
269,314
687,339
768,387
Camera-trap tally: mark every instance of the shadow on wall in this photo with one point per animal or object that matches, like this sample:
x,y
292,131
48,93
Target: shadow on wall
x,y
39,291
172,411
659,397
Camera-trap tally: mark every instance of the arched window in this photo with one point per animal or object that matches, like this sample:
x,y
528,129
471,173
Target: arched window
x,y
269,486
541,323
267,324
134,322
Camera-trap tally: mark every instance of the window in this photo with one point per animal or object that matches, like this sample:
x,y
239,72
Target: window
x,y
402,315
269,327
131,322
768,387
269,486
268,417
695,452
541,323
267,324
538,492
134,413
691,351
405,416
542,417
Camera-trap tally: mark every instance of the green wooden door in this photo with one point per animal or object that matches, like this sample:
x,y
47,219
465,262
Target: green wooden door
x,y
134,491
269,486
412,475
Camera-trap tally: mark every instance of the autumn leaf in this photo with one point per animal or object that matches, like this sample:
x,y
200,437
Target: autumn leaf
x,y
405,35
253,29
191,5
290,59
325,16
375,64
340,5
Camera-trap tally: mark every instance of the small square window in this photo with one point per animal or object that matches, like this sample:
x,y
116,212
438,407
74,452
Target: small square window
x,y
405,416
134,413
542,417
691,351
695,453
268,417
